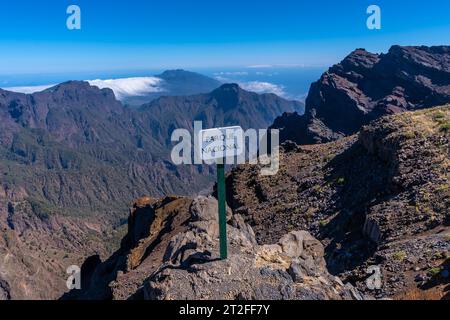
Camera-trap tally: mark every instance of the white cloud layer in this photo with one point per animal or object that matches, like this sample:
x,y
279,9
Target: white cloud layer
x,y
263,87
228,73
258,86
30,89
123,88
141,86
286,65
127,87
260,66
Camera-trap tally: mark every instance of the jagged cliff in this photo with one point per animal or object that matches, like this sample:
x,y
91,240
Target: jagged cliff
x,y
171,252
366,86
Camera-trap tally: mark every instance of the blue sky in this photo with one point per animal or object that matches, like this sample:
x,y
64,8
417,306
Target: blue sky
x,y
193,34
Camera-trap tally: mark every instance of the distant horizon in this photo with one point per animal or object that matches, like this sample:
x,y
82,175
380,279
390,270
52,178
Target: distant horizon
x,y
141,35
265,46
286,81
290,81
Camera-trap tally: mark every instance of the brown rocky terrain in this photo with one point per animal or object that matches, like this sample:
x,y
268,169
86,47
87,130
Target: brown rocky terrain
x,y
171,252
35,252
376,199
379,198
366,86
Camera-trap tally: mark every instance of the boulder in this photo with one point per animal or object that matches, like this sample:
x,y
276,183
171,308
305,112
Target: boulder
x,y
294,268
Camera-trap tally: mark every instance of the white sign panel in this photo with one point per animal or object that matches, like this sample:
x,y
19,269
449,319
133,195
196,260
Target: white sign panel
x,y
220,143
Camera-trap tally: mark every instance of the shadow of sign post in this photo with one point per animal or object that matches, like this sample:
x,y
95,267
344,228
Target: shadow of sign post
x,y
219,146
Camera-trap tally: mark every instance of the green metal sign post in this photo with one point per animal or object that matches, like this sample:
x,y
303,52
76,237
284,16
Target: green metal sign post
x,y
219,144
221,195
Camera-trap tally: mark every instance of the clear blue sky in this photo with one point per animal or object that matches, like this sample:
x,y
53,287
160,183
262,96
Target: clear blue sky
x,y
146,34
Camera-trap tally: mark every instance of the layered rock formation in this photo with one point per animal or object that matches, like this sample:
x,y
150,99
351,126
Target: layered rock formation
x,y
171,252
366,86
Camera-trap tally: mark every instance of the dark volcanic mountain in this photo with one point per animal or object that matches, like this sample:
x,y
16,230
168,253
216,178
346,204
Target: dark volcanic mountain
x,y
227,105
183,83
366,86
177,83
71,159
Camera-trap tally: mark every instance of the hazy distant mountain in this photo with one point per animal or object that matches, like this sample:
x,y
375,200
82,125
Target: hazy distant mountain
x,y
176,83
181,82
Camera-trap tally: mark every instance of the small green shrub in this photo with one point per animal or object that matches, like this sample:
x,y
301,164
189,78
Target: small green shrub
x,y
323,223
400,256
433,272
445,126
438,116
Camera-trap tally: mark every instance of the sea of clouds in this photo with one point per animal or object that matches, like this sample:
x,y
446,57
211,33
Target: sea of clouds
x,y
141,86
123,88
29,89
255,86
130,87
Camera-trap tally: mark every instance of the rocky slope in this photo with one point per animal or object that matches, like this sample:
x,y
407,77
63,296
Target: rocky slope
x,y
35,252
76,146
379,198
171,252
366,86
74,155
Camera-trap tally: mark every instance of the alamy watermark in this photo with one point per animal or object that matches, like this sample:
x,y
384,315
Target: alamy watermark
x,y
374,281
73,21
74,279
374,20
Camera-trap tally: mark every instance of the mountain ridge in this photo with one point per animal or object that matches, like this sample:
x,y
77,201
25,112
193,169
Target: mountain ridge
x,y
373,200
366,86
74,155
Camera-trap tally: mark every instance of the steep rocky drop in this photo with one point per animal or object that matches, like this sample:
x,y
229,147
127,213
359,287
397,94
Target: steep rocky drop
x,y
379,198
171,252
366,86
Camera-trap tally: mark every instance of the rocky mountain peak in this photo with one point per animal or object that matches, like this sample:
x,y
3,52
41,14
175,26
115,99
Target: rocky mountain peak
x,y
366,86
80,89
177,74
187,82
227,95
